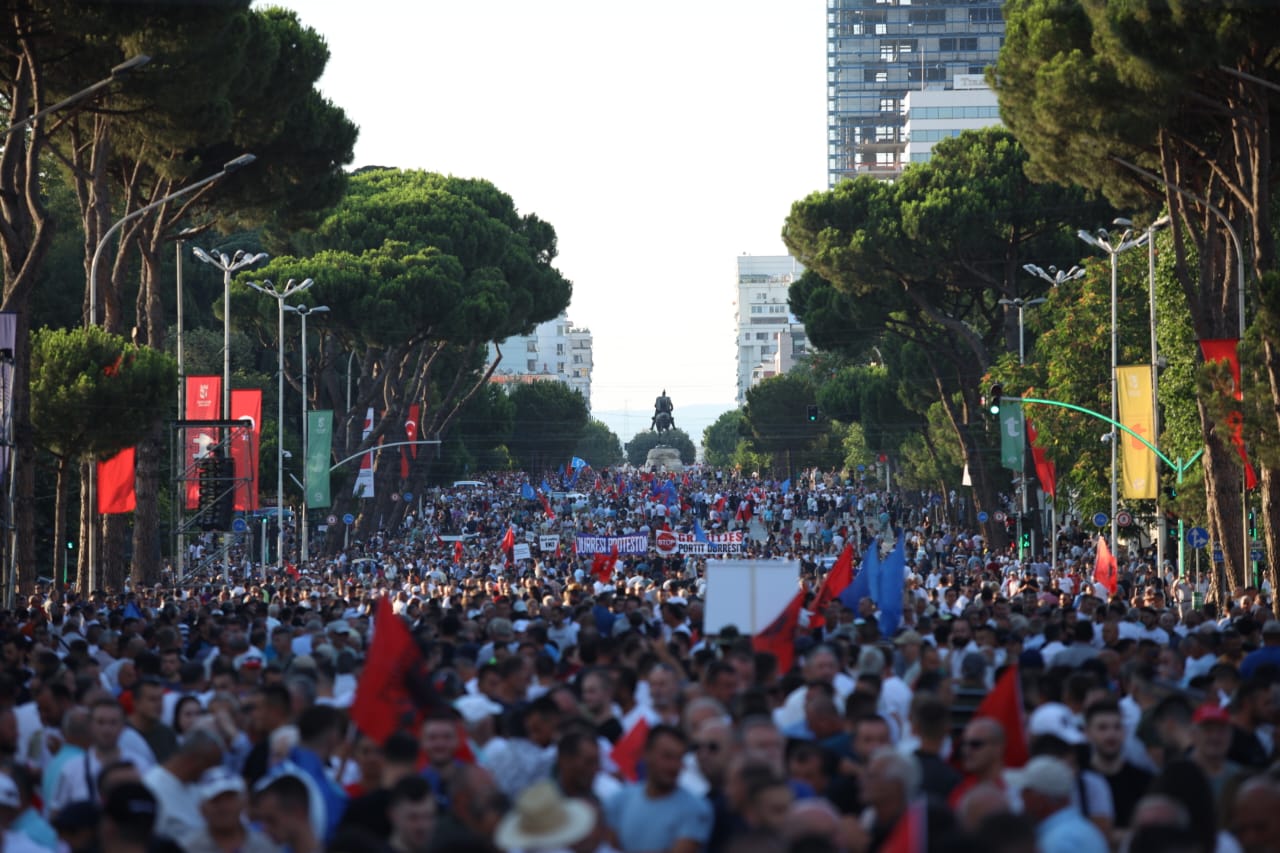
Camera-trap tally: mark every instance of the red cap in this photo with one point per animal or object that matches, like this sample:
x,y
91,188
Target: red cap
x,y
1211,713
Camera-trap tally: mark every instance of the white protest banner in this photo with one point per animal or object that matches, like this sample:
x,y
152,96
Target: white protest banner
x,y
521,551
606,544
548,543
748,594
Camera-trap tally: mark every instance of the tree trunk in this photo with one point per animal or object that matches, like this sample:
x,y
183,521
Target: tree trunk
x,y
1269,487
84,571
1223,481
147,544
114,561
24,458
60,510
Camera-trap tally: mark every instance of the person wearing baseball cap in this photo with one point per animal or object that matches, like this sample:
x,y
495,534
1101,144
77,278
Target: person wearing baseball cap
x,y
1210,743
223,796
1047,784
128,818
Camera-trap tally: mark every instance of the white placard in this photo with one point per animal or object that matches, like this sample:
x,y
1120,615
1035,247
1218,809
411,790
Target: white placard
x,y
521,551
748,594
548,543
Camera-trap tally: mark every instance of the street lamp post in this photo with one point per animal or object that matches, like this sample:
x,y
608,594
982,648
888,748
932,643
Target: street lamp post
x,y
180,556
1057,278
305,311
1022,304
84,94
280,294
1162,524
231,166
229,266
1053,275
1104,241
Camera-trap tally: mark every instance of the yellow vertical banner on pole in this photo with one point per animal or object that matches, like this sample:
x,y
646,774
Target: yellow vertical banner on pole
x,y
1137,412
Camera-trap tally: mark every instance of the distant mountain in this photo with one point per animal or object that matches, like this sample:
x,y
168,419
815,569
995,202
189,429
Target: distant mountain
x,y
692,419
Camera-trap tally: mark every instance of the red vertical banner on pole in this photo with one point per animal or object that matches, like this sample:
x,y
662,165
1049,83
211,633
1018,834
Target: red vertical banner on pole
x,y
246,405
411,434
1225,349
204,403
116,479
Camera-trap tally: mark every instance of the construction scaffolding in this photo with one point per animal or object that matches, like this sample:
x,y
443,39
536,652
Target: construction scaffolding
x,y
216,462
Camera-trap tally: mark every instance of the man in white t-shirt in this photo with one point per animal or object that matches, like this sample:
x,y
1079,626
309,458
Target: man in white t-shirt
x,y
78,778
175,782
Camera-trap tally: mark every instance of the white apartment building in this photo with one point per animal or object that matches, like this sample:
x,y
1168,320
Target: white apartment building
x,y
556,350
770,338
936,114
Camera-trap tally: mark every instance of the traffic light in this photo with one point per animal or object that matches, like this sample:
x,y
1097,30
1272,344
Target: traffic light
x,y
217,494
812,413
993,400
1025,543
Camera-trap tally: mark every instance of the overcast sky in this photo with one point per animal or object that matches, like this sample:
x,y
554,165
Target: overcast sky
x,y
660,139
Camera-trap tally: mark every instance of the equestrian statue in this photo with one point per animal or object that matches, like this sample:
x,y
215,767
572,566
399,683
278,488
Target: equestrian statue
x,y
663,420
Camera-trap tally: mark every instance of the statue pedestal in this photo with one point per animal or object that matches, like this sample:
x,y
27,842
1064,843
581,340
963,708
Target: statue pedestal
x,y
663,458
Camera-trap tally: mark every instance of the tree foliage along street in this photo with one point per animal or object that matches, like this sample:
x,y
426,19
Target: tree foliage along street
x,y
926,259
93,395
599,446
720,438
1166,86
420,272
155,131
550,418
639,446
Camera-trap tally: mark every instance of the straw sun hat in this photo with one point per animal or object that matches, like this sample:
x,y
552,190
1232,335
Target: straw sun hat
x,y
543,818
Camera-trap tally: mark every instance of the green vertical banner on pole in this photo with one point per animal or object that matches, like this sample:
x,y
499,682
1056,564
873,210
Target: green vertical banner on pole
x,y
319,448
1012,436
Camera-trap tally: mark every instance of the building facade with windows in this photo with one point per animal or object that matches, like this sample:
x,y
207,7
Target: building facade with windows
x,y
770,338
880,50
937,114
557,350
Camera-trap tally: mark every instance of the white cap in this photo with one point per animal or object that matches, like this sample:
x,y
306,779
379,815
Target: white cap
x,y
1046,775
1055,718
219,781
474,707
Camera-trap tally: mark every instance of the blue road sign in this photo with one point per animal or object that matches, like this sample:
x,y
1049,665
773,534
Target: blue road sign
x,y
982,517
239,525
408,496
1197,537
348,519
1217,555
862,467
1256,554
1100,519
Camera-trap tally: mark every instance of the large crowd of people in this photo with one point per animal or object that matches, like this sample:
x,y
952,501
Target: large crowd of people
x,y
567,701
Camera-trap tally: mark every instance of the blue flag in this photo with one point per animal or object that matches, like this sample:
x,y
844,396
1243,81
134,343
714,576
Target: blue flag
x,y
526,492
578,464
699,535
786,485
131,611
893,574
861,586
546,490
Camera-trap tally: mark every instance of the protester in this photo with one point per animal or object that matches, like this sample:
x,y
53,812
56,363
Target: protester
x,y
426,689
